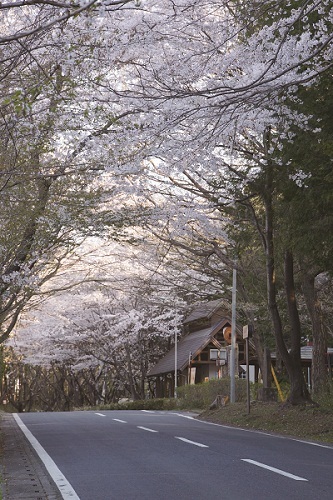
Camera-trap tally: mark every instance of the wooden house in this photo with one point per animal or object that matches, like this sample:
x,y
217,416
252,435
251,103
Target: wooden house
x,y
203,351
306,362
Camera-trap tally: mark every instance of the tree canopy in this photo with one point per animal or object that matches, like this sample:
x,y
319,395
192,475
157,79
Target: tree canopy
x,y
201,127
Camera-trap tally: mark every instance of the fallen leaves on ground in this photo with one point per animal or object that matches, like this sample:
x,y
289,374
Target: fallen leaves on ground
x,y
307,422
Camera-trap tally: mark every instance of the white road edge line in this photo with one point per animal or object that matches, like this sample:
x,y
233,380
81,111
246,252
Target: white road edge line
x,y
183,416
186,416
329,447
118,420
192,442
273,469
66,490
276,436
100,414
146,429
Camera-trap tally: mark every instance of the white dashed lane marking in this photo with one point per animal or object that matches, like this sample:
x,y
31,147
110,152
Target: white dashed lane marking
x,y
146,429
192,442
273,469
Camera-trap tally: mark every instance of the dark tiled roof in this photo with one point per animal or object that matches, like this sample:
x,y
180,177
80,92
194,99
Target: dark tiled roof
x,y
205,310
192,343
306,352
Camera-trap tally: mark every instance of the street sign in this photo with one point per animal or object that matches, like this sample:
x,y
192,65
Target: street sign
x,y
247,331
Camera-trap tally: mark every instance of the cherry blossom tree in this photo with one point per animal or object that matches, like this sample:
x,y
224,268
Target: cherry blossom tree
x,y
50,176
200,99
224,104
118,325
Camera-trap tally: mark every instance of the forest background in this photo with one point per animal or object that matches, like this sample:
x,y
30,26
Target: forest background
x,y
147,149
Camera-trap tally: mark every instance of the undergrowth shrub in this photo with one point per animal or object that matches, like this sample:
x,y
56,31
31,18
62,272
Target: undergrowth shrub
x,y
201,396
144,404
190,397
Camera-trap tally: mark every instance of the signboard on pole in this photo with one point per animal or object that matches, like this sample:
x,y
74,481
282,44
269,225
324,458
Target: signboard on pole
x,y
247,331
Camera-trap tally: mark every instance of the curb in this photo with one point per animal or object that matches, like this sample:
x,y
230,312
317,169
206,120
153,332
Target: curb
x,y
24,476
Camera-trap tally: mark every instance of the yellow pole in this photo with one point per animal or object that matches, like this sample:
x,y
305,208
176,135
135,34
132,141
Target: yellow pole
x,y
277,384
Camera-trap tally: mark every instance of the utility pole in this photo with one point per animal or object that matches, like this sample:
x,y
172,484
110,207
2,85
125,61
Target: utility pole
x,y
233,338
176,367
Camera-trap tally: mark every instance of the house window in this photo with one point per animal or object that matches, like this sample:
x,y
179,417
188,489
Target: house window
x,y
218,354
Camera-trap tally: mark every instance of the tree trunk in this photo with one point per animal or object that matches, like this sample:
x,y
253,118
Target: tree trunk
x,y
300,391
292,361
11,303
130,377
319,372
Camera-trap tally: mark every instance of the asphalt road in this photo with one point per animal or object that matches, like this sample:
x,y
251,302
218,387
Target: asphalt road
x,y
139,455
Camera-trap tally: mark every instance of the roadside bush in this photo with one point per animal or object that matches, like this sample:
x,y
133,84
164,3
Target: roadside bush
x,y
144,404
190,397
201,396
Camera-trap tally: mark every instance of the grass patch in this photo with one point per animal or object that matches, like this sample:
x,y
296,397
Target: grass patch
x,y
306,422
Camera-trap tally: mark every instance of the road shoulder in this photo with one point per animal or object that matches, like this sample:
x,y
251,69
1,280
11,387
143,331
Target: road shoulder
x,y
23,474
